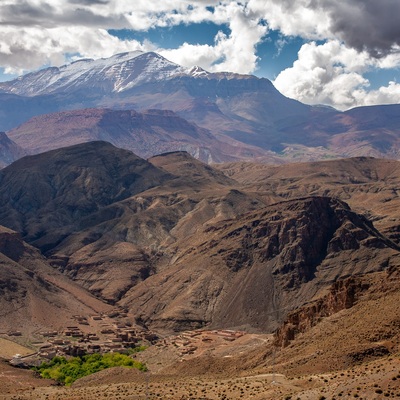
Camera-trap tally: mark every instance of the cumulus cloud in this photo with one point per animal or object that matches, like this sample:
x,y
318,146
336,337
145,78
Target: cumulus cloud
x,y
53,28
352,36
293,17
368,25
332,74
234,52
34,33
361,24
88,2
106,14
50,47
389,94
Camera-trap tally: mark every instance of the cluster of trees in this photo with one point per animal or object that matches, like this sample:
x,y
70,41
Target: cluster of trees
x,y
68,371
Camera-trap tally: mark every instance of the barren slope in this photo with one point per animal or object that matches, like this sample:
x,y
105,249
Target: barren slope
x,y
46,196
368,185
9,150
181,243
34,296
147,133
350,354
249,272
126,242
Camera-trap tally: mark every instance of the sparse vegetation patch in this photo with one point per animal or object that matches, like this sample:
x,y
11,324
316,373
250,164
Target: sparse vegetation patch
x,y
68,371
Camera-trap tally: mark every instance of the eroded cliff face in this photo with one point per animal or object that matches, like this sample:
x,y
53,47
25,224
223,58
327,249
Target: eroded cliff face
x,y
342,295
180,244
345,294
251,271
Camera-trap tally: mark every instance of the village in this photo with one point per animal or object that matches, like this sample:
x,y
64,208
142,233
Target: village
x,y
112,332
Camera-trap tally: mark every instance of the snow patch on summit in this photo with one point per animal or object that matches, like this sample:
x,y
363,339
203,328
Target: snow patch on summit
x,y
115,74
151,68
197,71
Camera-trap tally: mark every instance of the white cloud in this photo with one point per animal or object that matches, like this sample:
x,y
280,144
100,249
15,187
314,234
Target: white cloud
x,y
31,48
191,54
332,74
362,24
107,14
360,34
293,17
390,61
233,52
384,95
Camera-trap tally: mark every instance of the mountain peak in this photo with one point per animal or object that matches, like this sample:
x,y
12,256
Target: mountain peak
x,y
114,74
197,71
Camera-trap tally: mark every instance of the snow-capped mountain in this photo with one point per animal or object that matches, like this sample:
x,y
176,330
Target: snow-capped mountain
x,y
110,75
115,74
227,103
245,112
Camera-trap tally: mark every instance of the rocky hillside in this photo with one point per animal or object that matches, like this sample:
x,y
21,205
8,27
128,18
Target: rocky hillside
x,y
367,184
45,196
147,134
249,272
34,296
355,323
182,244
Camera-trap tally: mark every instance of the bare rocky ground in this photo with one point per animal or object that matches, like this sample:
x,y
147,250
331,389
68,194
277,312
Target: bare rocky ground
x,y
340,341
8,348
375,380
353,353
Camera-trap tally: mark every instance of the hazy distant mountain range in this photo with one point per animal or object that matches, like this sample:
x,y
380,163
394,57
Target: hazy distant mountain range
x,y
214,116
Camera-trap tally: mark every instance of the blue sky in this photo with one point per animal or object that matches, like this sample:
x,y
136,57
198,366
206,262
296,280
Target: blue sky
x,y
343,53
274,51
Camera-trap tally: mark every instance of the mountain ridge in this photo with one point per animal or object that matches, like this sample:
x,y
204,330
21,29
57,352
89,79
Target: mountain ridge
x,y
71,75
146,133
245,112
181,243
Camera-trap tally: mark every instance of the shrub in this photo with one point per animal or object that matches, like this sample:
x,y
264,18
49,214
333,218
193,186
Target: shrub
x,y
68,371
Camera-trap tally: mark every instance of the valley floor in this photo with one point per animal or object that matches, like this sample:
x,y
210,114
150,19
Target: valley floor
x,y
376,380
246,368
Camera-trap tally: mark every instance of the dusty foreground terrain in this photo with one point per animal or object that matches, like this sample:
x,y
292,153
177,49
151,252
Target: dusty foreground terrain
x,y
249,367
374,380
352,353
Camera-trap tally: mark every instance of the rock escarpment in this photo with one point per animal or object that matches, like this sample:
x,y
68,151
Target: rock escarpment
x,y
249,272
342,295
178,243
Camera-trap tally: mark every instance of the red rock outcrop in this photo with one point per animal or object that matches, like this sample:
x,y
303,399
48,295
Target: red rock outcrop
x,y
342,295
